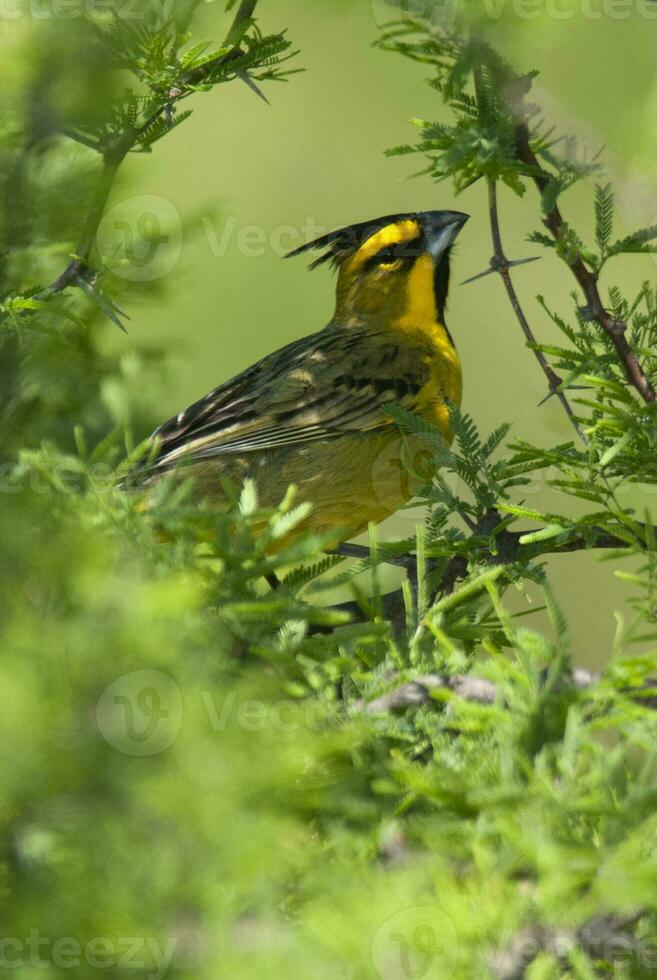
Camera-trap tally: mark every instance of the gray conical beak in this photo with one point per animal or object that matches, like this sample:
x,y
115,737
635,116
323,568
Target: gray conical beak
x,y
441,229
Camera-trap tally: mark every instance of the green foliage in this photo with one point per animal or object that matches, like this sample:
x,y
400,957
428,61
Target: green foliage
x,y
59,161
481,141
487,98
207,770
499,815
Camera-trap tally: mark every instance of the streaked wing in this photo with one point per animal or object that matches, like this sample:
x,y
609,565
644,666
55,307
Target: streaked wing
x,y
301,393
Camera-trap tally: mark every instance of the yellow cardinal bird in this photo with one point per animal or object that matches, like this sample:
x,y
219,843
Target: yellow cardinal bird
x,y
311,414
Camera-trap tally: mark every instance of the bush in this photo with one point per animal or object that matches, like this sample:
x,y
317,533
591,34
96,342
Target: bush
x,y
208,776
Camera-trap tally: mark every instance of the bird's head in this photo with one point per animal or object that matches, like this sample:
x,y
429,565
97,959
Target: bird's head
x,y
393,268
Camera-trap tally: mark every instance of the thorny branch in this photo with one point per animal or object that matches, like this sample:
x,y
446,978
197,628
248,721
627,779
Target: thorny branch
x,y
196,76
501,264
614,329
78,272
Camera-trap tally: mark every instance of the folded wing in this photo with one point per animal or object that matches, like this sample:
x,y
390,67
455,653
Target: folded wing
x,y
321,387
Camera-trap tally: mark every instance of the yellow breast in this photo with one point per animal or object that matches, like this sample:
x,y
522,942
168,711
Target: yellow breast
x,y
419,324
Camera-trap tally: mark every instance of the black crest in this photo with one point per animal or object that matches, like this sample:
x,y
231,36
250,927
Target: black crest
x,y
345,242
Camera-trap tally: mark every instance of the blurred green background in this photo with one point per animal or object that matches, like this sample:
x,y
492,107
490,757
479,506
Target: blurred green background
x,y
241,182
251,843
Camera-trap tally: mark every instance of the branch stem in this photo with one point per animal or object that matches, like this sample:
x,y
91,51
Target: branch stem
x,y
508,548
501,264
115,151
244,14
615,330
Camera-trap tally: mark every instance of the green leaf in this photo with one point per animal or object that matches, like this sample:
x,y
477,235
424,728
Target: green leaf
x,y
545,534
517,511
604,216
550,195
282,524
540,239
248,503
617,447
638,241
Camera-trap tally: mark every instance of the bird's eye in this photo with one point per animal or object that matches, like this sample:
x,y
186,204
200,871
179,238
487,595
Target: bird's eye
x,y
387,255
388,258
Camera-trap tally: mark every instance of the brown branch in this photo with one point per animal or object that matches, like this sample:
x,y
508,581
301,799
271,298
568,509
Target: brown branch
x,y
479,690
508,549
244,13
614,329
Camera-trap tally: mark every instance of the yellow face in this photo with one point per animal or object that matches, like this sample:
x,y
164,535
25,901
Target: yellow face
x,y
393,271
397,278
374,282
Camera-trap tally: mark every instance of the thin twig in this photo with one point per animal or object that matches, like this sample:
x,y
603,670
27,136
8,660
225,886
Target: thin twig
x,y
77,267
613,328
77,272
244,13
502,265
362,552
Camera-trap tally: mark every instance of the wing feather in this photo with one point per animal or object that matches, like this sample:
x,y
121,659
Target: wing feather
x,y
299,394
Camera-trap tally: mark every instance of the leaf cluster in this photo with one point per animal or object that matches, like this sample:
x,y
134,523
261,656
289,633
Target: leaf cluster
x,y
293,778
